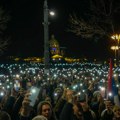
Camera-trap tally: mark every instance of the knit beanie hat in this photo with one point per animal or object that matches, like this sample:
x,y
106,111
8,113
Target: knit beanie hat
x,y
39,117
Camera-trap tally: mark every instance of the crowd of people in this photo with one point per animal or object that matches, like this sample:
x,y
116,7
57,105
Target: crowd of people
x,y
76,91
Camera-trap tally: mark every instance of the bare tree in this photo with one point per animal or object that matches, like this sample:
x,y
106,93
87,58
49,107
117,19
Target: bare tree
x,y
100,19
4,18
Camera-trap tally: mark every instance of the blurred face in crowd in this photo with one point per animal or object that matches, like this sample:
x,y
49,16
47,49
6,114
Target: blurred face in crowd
x,y
117,113
99,97
108,105
46,111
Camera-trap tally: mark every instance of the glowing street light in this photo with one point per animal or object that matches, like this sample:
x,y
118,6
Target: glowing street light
x,y
52,13
115,48
116,37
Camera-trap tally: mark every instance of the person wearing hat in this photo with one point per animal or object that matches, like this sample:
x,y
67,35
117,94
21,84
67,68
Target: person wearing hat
x,y
44,108
108,113
39,117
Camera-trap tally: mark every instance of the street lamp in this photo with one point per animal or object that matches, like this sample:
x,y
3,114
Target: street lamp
x,y
46,38
117,38
52,13
115,48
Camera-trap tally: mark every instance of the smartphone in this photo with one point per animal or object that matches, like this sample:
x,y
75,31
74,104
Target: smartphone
x,y
81,97
34,92
17,85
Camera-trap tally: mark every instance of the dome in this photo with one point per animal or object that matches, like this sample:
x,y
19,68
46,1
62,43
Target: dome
x,y
53,42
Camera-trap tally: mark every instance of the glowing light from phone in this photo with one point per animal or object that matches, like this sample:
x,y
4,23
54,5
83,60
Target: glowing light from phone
x,y
33,90
110,94
1,93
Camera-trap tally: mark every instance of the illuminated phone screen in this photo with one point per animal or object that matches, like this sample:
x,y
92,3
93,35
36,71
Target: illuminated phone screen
x,y
34,91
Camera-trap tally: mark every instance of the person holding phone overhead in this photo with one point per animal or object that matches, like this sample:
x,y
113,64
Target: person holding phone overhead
x,y
72,109
44,108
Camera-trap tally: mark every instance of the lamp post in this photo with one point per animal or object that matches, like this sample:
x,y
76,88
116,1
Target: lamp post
x,y
46,39
116,37
115,48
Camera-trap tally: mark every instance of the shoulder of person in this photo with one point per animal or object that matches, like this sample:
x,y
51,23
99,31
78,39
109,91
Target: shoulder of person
x,y
92,113
103,112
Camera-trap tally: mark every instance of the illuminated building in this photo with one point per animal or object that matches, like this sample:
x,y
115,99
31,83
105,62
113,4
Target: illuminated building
x,y
54,46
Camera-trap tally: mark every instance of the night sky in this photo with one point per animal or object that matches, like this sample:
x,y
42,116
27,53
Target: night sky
x,y
26,29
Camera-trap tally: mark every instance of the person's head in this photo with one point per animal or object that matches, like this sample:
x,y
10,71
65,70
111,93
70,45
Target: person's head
x,y
45,109
100,98
108,105
116,110
39,117
4,116
47,98
57,94
96,96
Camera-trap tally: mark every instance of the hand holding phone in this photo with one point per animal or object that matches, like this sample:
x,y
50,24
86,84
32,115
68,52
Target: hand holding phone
x,y
34,92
